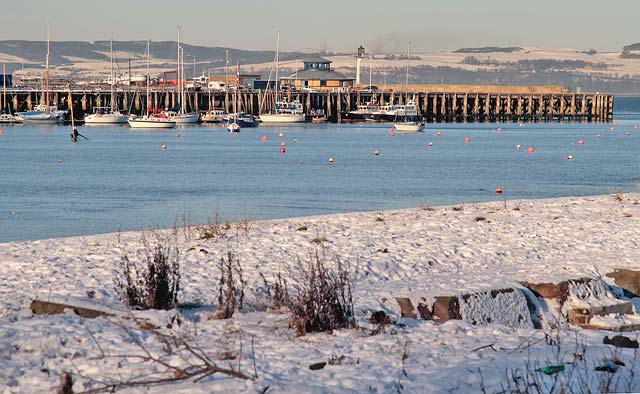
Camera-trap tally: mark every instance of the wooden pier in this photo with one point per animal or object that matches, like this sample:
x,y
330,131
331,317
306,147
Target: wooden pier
x,y
434,106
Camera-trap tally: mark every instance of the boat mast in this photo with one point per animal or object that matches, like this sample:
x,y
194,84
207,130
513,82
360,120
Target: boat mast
x,y
179,70
4,85
112,80
148,80
183,95
46,70
406,82
278,66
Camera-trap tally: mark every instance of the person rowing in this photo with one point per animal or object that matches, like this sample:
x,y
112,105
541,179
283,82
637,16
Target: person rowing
x,y
75,134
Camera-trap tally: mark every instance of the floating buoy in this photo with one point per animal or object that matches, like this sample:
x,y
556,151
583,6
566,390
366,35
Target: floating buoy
x,y
283,143
635,127
531,150
391,130
499,129
281,135
597,135
392,134
612,129
1,131
178,135
282,150
498,190
13,213
518,146
616,124
439,133
569,157
59,161
521,125
264,138
430,143
295,140
581,142
330,160
376,153
164,147
627,133
467,139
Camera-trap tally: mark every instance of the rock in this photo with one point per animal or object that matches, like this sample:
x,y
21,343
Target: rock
x,y
621,341
447,308
407,309
317,366
425,310
628,280
39,307
558,291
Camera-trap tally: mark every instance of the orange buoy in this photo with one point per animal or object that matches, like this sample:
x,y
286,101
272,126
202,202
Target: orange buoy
x,y
282,150
499,129
376,153
164,147
391,130
331,160
264,138
430,143
581,142
518,146
439,133
1,131
531,150
283,143
498,190
467,139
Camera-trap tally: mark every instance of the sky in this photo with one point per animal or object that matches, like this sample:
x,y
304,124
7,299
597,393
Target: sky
x,y
334,25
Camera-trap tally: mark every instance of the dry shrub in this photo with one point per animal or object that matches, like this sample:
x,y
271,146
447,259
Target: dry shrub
x,y
278,292
323,300
214,228
153,284
230,290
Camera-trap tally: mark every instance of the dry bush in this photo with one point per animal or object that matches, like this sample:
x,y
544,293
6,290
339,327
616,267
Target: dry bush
x,y
323,300
214,228
230,290
154,283
278,292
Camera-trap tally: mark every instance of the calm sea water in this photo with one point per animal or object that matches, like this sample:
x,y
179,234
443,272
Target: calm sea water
x,y
122,179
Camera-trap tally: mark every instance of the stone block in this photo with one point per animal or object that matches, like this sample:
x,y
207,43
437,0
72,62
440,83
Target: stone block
x,y
447,308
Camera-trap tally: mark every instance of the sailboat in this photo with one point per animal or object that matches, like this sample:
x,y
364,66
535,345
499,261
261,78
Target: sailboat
x,y
285,111
6,118
182,117
107,115
44,113
408,124
146,121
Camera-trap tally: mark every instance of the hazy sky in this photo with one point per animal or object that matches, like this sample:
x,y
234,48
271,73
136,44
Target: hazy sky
x,y
430,25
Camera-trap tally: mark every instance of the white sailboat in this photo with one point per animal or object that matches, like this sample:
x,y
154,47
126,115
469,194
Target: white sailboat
x,y
44,113
107,115
146,121
181,116
6,118
284,111
408,124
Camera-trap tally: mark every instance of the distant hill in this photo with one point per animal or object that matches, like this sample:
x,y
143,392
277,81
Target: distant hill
x,y
33,52
489,50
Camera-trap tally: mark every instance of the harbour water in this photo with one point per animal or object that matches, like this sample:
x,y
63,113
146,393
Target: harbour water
x,y
122,179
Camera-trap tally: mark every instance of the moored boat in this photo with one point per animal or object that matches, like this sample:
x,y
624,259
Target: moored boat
x,y
105,115
150,122
285,112
9,119
213,116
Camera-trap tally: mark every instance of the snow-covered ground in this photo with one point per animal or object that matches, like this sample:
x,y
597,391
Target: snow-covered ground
x,y
419,253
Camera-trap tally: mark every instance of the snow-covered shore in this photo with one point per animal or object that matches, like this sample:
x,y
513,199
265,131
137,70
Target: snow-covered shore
x,y
418,253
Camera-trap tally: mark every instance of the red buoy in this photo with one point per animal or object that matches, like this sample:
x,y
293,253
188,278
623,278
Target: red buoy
x,y
1,132
59,161
581,142
498,190
282,150
439,133
430,143
376,153
467,139
499,129
264,138
531,150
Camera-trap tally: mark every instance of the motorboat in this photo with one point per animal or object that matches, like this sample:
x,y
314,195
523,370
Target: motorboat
x,y
183,118
105,115
42,114
213,116
9,119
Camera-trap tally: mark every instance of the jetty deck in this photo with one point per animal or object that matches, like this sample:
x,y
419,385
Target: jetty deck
x,y
436,103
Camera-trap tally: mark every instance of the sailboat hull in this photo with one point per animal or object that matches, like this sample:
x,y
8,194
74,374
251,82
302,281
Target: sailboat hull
x,y
41,117
282,118
114,118
408,127
151,123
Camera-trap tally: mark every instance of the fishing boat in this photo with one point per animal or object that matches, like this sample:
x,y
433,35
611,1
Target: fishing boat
x,y
9,119
242,119
405,122
150,121
44,113
107,115
284,111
